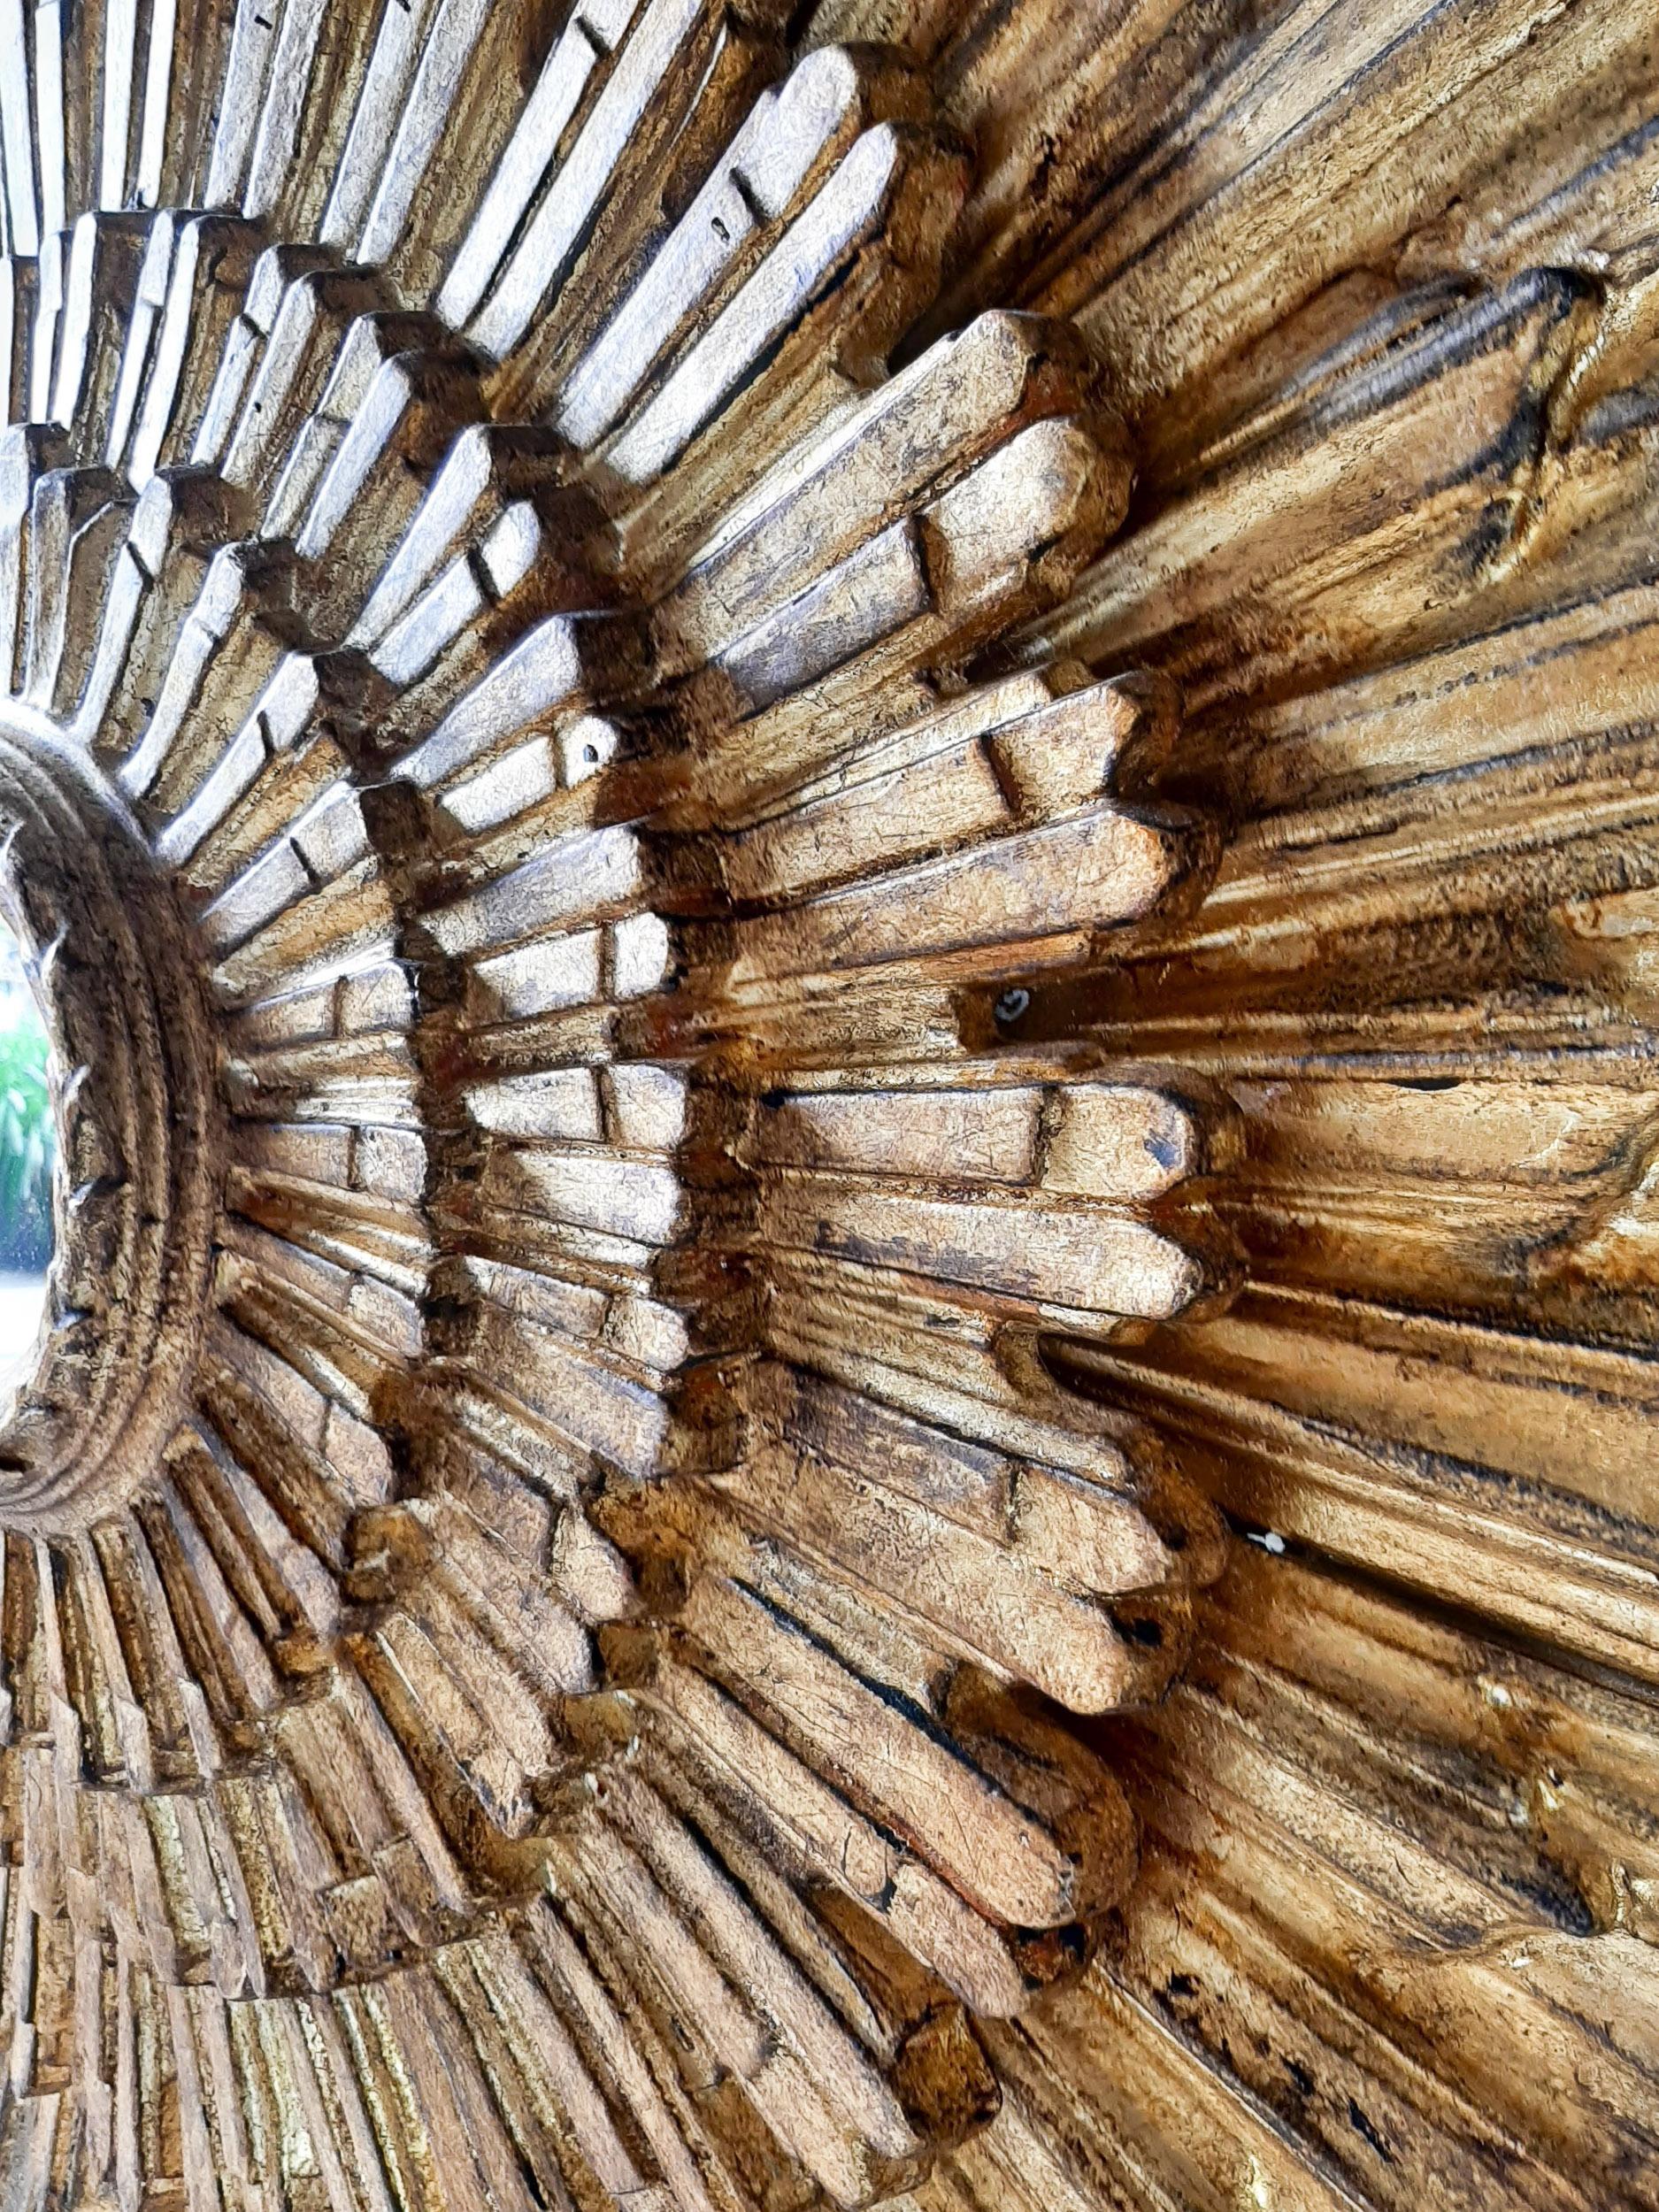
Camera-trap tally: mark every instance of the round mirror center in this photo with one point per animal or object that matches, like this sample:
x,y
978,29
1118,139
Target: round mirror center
x,y
28,1147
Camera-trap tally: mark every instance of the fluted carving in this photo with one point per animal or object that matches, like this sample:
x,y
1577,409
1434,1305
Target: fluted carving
x,y
842,908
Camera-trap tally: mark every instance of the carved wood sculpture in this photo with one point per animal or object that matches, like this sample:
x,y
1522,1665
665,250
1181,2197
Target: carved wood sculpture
x,y
834,820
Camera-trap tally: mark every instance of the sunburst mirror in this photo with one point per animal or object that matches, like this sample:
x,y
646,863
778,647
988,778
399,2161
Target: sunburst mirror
x,y
828,835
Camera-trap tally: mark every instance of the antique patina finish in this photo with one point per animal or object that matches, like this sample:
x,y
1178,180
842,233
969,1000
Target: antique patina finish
x,y
840,826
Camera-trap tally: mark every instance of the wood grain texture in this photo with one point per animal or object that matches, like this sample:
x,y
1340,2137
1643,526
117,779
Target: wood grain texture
x,y
838,823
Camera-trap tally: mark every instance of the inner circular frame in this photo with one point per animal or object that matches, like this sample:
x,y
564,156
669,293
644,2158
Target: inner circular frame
x,y
141,1137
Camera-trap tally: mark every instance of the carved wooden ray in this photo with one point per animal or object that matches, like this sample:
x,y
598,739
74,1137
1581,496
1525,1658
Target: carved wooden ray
x,y
834,821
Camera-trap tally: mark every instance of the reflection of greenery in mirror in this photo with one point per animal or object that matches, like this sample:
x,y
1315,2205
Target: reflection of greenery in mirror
x,y
26,1128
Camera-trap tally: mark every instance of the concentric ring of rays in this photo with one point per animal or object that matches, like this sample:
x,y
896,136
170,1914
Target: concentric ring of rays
x,y
571,1697
139,1146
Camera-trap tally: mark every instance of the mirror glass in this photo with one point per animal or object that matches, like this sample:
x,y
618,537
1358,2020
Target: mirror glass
x,y
27,1146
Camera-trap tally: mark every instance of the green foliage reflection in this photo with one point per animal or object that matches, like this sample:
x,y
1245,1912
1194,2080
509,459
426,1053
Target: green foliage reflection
x,y
27,1135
